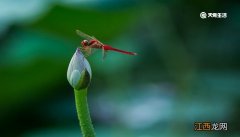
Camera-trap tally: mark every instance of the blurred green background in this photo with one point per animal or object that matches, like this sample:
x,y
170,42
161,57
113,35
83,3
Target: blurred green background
x,y
186,71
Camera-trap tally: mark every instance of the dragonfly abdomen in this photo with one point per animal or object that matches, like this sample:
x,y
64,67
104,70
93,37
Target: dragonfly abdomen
x,y
106,47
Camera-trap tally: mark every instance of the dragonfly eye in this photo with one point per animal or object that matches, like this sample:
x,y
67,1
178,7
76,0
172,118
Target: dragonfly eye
x,y
85,43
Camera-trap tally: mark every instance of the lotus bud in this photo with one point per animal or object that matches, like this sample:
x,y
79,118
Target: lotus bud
x,y
79,72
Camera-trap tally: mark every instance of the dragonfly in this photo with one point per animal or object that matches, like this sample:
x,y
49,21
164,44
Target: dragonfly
x,y
90,42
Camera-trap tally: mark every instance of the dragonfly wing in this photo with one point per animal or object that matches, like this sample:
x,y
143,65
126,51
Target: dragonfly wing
x,y
89,50
83,35
87,37
97,40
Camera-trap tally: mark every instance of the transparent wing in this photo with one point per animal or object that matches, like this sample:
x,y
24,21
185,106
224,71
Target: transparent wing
x,y
88,50
84,36
97,40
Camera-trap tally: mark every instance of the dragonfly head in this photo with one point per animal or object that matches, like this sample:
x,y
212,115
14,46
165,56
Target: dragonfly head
x,y
85,43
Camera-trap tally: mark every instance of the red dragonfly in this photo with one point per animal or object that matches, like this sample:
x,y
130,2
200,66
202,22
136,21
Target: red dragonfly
x,y
91,42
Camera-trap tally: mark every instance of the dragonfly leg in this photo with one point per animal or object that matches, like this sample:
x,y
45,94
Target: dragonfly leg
x,y
85,50
89,51
103,53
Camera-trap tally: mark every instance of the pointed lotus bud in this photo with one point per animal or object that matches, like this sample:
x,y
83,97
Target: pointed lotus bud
x,y
79,72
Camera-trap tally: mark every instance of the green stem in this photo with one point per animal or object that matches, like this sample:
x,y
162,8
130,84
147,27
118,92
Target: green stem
x,y
83,113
